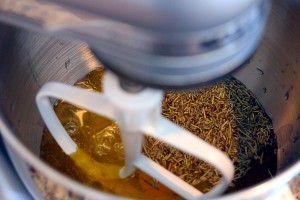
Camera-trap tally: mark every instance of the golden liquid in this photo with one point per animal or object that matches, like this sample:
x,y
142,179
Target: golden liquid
x,y
100,153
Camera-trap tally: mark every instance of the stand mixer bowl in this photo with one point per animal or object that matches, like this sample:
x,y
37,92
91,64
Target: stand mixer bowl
x,y
28,60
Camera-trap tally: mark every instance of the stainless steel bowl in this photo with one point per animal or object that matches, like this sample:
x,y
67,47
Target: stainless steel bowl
x,y
28,60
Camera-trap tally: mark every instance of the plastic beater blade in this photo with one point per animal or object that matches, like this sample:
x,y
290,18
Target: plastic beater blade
x,y
172,134
88,100
167,178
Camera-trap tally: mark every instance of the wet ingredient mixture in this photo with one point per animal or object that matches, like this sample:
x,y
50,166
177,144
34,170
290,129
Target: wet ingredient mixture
x,y
226,115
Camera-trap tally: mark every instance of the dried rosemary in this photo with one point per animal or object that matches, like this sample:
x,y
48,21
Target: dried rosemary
x,y
225,115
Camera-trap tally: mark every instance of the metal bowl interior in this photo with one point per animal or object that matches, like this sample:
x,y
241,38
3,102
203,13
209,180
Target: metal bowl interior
x,y
28,60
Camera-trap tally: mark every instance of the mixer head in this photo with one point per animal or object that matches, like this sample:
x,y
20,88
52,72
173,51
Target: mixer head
x,y
169,44
164,44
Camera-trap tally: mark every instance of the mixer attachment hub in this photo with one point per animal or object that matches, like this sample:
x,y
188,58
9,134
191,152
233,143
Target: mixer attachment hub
x,y
130,86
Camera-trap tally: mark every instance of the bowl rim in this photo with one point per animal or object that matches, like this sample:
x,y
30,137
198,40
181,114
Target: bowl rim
x,y
261,190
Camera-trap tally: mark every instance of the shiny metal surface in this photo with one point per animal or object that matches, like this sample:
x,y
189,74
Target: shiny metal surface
x,y
163,44
11,187
158,15
28,59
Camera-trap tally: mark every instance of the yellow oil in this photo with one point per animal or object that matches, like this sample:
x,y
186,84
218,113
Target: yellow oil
x,y
100,155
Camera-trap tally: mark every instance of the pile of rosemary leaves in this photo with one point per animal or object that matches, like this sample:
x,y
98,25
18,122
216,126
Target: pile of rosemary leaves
x,y
226,115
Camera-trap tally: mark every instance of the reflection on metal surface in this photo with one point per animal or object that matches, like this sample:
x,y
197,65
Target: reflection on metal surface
x,y
11,186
